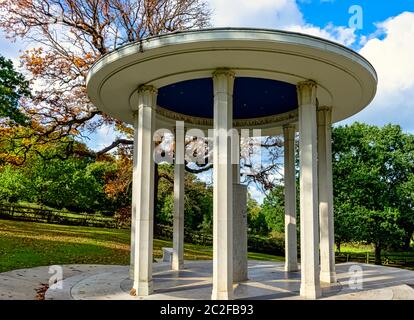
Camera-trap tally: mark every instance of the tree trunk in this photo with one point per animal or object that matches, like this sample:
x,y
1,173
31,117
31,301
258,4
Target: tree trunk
x,y
338,246
407,242
378,254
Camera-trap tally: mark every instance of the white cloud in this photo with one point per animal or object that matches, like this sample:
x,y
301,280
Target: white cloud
x,y
390,49
277,14
340,34
256,194
392,56
259,13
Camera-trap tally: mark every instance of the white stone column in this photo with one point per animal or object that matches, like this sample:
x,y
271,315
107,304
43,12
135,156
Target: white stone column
x,y
143,190
326,220
309,220
235,156
291,243
223,186
178,219
240,261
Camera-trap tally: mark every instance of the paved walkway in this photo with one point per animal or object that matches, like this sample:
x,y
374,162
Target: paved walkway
x,y
267,280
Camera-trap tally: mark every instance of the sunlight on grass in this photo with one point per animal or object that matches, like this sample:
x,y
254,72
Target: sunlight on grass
x,y
31,244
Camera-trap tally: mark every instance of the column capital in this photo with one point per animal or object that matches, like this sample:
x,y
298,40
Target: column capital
x,y
143,88
224,72
306,84
147,97
324,115
306,91
223,81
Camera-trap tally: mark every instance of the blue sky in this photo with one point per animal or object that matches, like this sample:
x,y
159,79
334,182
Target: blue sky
x,y
321,12
386,39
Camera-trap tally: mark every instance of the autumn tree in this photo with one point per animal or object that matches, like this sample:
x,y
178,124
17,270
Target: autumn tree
x,y
67,37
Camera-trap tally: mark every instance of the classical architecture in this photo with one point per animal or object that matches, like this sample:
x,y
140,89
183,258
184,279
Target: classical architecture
x,y
224,79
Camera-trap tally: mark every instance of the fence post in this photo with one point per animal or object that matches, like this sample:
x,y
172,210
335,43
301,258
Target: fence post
x,y
347,257
367,257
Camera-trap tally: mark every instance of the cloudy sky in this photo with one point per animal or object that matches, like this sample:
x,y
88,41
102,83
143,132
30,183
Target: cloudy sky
x,y
386,39
385,36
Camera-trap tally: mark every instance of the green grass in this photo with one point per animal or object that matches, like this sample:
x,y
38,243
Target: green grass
x,y
63,211
362,248
356,252
31,244
355,248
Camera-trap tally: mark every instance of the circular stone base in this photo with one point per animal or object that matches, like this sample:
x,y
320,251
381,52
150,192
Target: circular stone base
x,y
267,280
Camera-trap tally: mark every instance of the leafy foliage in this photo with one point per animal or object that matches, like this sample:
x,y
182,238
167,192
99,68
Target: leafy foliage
x,y
273,209
256,220
77,184
67,37
13,184
13,87
198,200
373,168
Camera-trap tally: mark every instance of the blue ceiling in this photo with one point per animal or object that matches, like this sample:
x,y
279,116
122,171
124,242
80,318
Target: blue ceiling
x,y
252,97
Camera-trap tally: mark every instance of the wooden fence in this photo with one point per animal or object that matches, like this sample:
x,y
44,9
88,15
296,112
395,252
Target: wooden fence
x,y
255,243
24,213
386,259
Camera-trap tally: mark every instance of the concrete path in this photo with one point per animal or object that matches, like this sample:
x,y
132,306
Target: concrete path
x,y
23,284
268,280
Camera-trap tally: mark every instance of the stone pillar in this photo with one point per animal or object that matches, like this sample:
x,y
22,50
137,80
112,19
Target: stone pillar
x,y
178,223
143,190
309,221
291,244
235,155
326,222
223,184
240,261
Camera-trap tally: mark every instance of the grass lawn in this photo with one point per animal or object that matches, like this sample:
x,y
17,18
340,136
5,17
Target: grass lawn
x,y
363,248
31,244
358,252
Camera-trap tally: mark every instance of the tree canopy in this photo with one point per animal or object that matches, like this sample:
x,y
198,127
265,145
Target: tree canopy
x,y
372,171
13,87
68,36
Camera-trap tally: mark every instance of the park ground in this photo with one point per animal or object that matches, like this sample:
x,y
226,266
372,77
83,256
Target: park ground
x,y
31,244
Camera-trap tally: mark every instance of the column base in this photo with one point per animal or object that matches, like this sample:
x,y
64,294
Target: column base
x,y
308,291
239,278
142,288
293,267
328,277
222,295
177,265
